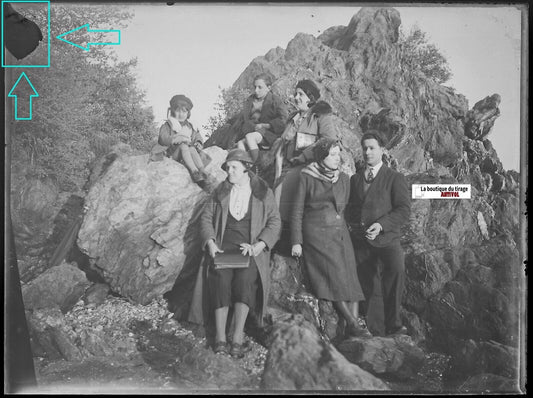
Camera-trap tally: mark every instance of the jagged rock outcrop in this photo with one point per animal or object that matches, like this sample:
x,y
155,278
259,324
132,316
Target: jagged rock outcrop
x,y
298,359
480,119
140,226
60,286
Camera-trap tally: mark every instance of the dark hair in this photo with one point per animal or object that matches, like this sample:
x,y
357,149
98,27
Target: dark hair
x,y
323,146
373,134
266,77
310,89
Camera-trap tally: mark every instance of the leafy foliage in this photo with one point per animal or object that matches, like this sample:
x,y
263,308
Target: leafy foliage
x,y
418,54
88,100
229,104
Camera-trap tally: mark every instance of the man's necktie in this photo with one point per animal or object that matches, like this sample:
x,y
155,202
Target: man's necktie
x,y
370,176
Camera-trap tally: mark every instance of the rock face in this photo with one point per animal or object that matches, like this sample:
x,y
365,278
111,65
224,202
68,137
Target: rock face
x,y
298,359
140,224
60,286
397,356
462,256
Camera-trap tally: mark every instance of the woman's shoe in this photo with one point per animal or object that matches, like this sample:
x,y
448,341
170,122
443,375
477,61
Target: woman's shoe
x,y
221,347
237,350
353,330
197,176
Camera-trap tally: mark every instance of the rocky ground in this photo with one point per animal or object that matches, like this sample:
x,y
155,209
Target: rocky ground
x,y
146,351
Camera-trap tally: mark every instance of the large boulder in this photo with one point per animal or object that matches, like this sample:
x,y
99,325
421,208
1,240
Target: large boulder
x,y
141,223
60,286
395,356
298,359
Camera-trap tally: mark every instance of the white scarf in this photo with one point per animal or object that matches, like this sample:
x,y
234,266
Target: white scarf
x,y
178,128
239,198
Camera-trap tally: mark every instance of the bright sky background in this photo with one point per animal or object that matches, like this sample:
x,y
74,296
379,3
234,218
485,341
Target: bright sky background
x,y
197,49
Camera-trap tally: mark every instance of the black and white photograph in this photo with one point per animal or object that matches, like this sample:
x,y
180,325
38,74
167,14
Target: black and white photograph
x,y
265,198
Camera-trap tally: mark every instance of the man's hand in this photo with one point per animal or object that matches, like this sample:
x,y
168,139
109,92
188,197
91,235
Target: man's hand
x,y
252,250
373,231
213,249
296,250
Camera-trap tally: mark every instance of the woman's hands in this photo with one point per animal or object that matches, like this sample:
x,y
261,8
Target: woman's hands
x,y
213,249
252,250
296,250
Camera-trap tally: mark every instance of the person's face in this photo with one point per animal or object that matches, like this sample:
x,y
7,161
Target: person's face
x,y
301,99
372,152
235,170
181,113
333,160
260,89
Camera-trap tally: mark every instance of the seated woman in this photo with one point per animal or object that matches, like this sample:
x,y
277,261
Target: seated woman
x,y
264,117
311,121
184,142
241,216
319,232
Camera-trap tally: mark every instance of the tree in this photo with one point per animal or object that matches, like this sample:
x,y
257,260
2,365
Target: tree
x,y
229,104
418,54
87,101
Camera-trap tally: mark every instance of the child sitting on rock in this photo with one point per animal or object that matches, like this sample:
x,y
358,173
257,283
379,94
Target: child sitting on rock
x,y
184,142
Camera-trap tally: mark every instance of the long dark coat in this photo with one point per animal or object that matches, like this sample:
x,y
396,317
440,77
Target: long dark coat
x,y
318,224
273,111
265,226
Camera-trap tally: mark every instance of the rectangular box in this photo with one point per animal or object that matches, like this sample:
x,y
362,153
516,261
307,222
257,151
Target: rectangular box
x,y
441,191
48,36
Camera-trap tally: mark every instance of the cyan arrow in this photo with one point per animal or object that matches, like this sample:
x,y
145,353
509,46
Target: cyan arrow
x,y
23,93
86,26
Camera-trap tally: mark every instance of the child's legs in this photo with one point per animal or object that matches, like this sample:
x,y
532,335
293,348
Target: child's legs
x,y
185,152
253,139
196,158
241,144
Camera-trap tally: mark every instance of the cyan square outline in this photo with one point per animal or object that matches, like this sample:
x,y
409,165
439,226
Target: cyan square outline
x,y
49,39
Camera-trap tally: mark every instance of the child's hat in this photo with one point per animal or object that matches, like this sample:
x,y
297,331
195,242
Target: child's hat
x,y
180,101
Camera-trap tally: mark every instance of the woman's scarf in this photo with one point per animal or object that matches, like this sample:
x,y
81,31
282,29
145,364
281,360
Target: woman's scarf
x,y
322,172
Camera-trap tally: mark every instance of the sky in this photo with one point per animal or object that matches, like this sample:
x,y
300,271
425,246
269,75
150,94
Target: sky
x,y
196,50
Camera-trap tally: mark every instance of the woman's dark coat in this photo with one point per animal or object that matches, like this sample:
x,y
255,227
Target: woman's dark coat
x,y
318,224
265,226
318,122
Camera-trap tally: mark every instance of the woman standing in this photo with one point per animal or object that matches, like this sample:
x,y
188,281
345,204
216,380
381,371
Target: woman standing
x,y
320,233
264,115
241,216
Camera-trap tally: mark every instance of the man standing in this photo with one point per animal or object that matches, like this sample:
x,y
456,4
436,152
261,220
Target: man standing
x,y
379,205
